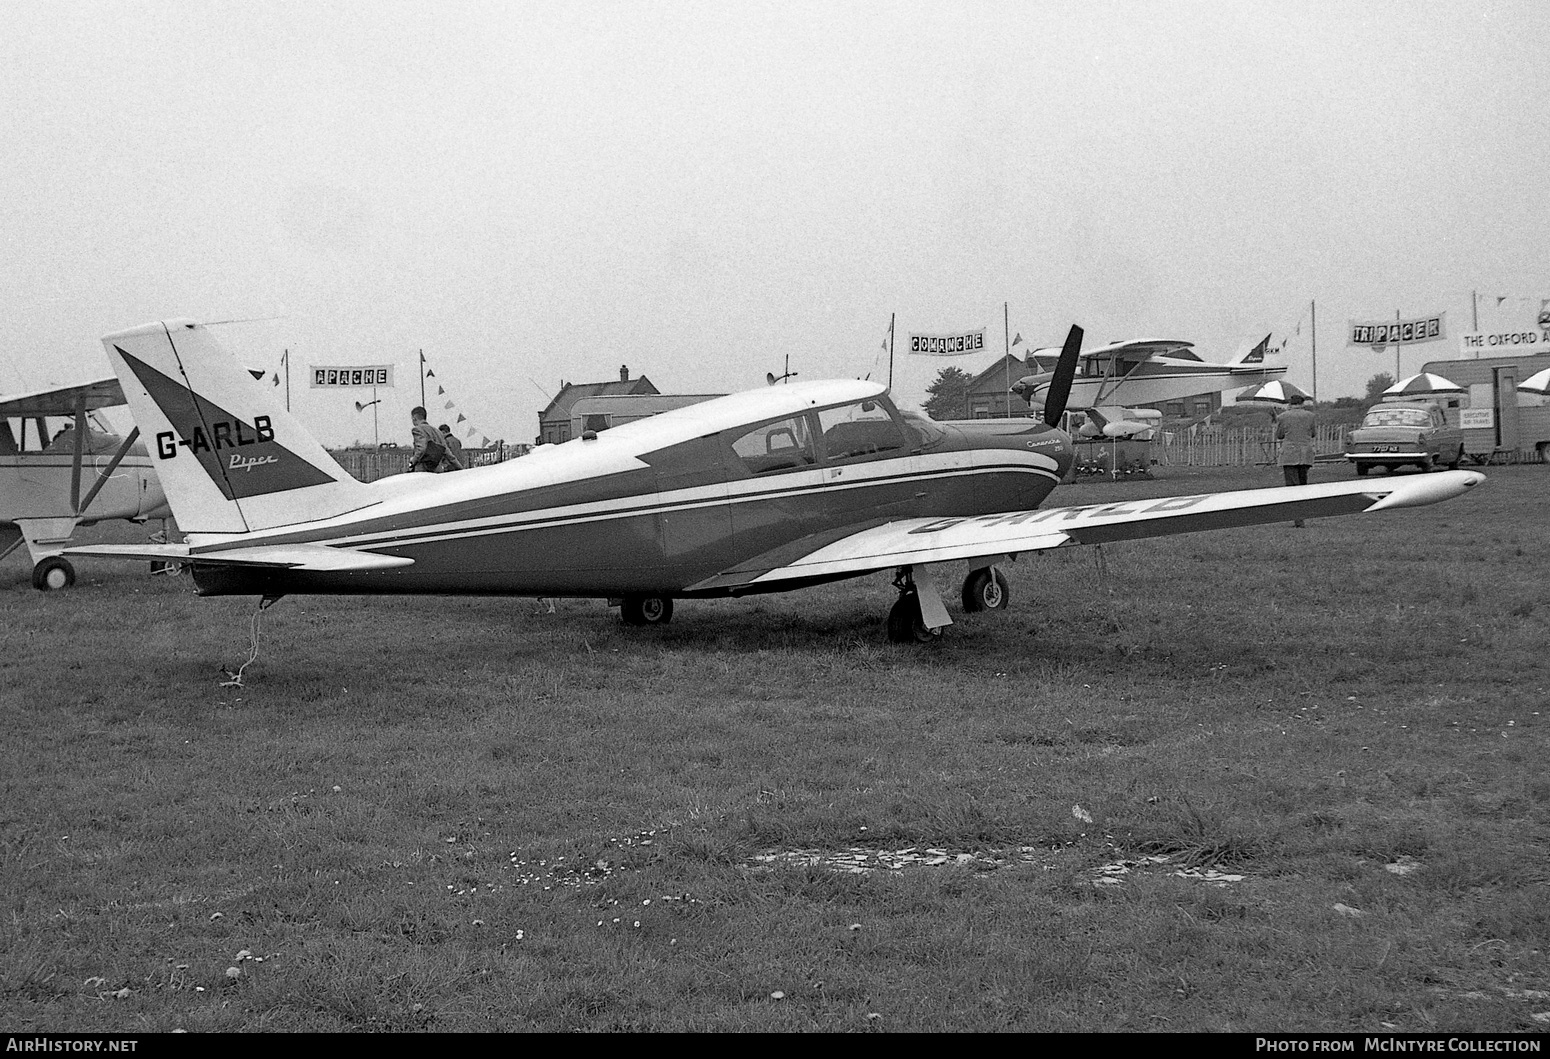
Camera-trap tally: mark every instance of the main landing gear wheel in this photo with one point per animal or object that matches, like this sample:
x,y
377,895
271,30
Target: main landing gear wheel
x,y
905,624
53,573
985,589
646,610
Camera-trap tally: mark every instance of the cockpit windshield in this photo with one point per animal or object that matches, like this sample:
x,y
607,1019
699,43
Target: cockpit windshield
x,y
926,432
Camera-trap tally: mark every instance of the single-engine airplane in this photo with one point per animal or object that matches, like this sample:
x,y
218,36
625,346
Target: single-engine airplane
x,y
1148,372
773,489
42,476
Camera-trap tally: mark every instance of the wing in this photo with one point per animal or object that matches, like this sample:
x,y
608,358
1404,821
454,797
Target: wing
x,y
306,557
104,393
914,541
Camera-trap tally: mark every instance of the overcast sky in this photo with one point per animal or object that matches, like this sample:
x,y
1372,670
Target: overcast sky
x,y
537,191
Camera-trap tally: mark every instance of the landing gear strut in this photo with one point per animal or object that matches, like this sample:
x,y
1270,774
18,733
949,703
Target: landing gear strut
x,y
905,621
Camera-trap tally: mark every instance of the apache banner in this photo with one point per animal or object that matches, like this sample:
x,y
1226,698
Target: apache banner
x,y
334,376
957,345
1400,332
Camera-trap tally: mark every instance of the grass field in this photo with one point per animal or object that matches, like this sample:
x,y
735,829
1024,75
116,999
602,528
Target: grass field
x,y
1269,779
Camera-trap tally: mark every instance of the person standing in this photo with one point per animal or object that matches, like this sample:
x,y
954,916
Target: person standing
x,y
453,460
1294,430
430,448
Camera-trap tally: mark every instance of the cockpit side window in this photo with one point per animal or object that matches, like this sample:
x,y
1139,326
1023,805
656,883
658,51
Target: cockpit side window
x,y
861,431
784,445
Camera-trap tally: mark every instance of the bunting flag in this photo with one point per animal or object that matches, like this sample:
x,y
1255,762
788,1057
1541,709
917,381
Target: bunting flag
x,y
276,378
1018,339
458,420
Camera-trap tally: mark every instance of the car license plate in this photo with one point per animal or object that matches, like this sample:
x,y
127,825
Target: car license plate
x,y
1385,448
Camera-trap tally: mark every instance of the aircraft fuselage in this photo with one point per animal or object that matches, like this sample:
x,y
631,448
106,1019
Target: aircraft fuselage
x,y
562,522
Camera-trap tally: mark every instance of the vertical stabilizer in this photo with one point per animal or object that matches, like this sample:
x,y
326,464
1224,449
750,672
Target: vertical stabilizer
x,y
1255,354
230,458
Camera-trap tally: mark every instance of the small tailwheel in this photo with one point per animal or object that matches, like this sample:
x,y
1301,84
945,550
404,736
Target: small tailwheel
x,y
52,574
904,621
646,610
985,589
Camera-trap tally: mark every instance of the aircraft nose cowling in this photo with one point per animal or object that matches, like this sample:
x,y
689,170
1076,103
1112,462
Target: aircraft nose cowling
x,y
1022,436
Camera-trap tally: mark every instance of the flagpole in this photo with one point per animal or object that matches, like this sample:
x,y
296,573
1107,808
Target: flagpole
x,y
1313,309
286,358
890,351
1396,346
376,406
422,378
1006,335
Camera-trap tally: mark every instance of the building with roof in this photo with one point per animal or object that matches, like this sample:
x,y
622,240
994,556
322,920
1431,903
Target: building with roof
x,y
554,422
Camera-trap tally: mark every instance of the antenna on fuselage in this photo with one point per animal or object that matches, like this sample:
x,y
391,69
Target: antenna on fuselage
x,y
771,378
1060,383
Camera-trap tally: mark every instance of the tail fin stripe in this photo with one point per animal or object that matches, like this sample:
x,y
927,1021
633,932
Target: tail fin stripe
x,y
243,459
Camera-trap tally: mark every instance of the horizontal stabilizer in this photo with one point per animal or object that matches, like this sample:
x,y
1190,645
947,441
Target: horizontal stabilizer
x,y
314,558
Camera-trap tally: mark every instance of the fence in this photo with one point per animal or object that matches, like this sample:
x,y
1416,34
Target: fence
x,y
1236,447
367,465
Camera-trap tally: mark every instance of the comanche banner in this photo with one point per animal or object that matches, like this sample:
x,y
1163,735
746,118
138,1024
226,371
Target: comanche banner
x,y
948,345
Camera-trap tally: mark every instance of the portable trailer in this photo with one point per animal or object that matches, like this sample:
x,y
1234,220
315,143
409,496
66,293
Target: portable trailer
x,y
1498,422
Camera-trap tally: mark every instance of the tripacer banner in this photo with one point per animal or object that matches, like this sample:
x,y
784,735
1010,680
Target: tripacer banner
x,y
948,345
1403,332
355,375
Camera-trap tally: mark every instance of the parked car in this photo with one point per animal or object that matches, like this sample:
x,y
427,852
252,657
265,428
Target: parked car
x,y
1398,433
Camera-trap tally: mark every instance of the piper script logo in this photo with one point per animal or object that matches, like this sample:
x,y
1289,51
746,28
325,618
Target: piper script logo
x,y
223,434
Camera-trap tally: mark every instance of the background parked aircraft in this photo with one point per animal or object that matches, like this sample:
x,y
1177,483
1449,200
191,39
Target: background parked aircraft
x,y
1148,372
79,474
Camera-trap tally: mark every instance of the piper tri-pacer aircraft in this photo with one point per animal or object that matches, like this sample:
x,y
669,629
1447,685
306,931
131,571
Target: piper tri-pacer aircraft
x,y
775,489
42,477
1149,372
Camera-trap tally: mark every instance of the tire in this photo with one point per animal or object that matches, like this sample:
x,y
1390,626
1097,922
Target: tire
x,y
52,574
905,624
646,610
985,589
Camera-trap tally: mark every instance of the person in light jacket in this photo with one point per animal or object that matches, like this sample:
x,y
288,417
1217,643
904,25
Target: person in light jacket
x,y
1294,430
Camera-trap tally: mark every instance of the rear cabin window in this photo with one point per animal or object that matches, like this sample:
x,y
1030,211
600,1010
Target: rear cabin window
x,y
1398,417
784,445
860,431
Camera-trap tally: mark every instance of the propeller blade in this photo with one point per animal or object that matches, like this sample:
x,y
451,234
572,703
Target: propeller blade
x,y
1065,370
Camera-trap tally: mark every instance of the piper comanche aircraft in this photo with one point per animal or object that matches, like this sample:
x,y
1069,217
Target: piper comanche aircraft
x,y
780,488
52,483
1149,372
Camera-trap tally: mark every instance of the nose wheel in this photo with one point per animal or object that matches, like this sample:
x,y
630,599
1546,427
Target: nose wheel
x,y
646,610
52,574
985,589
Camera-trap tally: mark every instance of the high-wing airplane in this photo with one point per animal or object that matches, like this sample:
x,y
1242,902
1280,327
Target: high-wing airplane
x,y
774,489
1148,372
81,475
